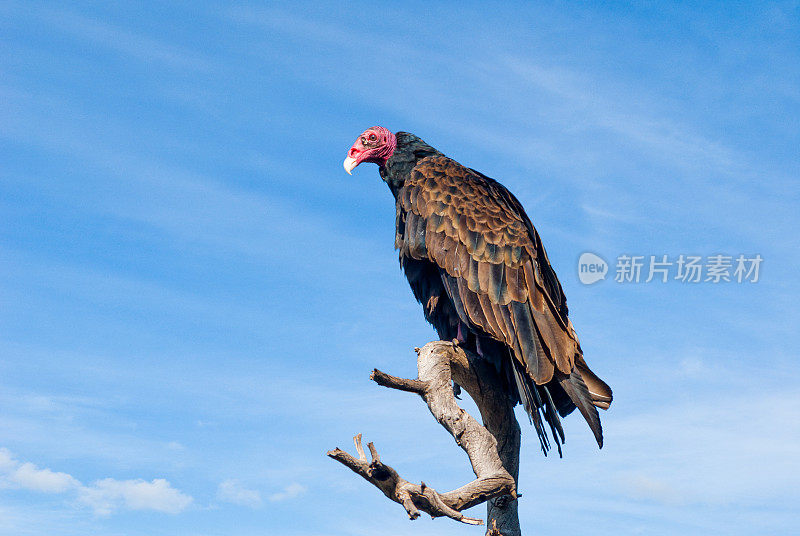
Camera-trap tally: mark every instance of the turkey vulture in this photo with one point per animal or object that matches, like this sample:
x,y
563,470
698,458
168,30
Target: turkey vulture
x,y
477,265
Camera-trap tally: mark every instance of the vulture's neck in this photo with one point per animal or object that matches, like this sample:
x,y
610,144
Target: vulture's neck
x,y
410,150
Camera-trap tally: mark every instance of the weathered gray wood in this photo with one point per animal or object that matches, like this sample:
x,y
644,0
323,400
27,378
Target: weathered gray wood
x,y
497,413
493,449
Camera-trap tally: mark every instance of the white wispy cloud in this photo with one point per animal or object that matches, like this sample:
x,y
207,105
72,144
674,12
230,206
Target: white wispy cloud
x,y
125,42
574,101
235,492
103,497
252,223
291,491
30,477
108,495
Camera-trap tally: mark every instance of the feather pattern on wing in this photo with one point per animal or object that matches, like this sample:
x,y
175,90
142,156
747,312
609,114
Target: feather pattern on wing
x,y
495,271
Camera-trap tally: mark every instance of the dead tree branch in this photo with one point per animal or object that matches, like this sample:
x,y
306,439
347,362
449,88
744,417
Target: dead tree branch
x,y
493,449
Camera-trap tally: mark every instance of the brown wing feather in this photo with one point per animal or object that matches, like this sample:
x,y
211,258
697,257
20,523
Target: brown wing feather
x,y
479,235
496,272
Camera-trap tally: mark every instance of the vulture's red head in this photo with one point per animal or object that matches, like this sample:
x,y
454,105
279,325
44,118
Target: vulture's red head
x,y
376,144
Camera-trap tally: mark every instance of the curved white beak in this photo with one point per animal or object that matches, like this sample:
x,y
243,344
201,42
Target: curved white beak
x,y
349,164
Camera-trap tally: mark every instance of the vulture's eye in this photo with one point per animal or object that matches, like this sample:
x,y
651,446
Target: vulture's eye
x,y
373,137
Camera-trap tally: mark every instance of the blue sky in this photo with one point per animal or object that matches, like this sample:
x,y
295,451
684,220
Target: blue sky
x,y
194,292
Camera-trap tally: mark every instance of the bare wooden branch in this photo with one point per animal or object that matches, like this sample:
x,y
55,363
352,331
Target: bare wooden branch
x,y
493,449
359,448
413,497
401,384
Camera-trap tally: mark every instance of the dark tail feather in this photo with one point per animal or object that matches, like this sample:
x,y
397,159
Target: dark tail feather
x,y
552,417
598,389
577,391
539,410
528,402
